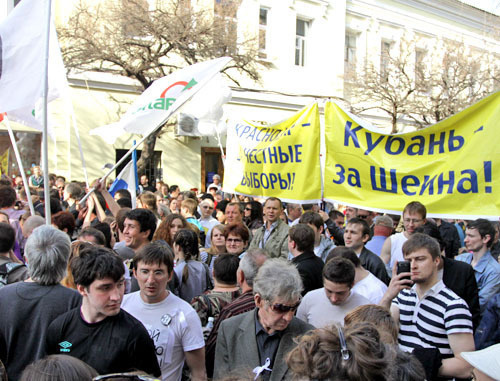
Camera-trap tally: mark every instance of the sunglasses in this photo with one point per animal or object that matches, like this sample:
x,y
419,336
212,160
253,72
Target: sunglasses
x,y
283,308
363,217
249,209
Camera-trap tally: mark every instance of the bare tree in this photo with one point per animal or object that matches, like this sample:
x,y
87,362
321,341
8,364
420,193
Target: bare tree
x,y
387,85
463,77
420,86
132,39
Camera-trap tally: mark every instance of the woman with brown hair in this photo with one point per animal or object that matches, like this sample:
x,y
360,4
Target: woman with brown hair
x,y
335,354
237,236
194,276
218,246
169,226
76,248
147,200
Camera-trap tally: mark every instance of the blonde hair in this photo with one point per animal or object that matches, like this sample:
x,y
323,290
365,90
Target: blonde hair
x,y
190,204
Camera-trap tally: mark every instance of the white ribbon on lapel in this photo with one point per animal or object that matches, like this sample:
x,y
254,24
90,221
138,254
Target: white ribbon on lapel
x,y
258,370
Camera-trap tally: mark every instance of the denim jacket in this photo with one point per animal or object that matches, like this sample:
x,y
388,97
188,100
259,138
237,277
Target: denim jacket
x,y
488,332
487,272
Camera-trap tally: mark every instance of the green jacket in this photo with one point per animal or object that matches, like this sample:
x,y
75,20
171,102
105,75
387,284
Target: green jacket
x,y
277,243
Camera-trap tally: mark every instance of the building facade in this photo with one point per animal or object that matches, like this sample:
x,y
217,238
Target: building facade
x,y
310,44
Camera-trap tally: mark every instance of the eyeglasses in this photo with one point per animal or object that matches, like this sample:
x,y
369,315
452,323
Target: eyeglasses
x,y
207,207
125,376
412,220
363,217
283,308
234,240
249,209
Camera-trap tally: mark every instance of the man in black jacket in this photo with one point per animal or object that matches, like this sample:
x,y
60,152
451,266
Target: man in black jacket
x,y
301,246
356,234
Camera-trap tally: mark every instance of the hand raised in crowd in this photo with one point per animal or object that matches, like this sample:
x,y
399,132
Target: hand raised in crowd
x,y
324,215
395,286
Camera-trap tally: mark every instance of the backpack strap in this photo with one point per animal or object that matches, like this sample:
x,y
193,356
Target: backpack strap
x,y
8,268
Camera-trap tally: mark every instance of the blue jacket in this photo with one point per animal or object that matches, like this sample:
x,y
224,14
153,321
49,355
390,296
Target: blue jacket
x,y
487,272
488,332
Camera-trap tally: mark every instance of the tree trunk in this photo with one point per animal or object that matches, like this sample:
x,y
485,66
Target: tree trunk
x,y
147,154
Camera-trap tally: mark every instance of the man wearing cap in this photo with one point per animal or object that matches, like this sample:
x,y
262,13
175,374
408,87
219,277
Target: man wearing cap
x,y
382,229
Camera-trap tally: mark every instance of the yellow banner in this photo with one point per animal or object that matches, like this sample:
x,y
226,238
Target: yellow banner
x,y
4,163
280,160
452,167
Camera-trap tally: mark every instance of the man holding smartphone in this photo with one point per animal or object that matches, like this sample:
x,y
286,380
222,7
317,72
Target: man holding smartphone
x,y
429,314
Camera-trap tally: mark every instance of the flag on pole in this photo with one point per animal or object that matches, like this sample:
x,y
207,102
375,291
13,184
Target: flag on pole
x,y
160,100
31,115
4,163
21,55
126,180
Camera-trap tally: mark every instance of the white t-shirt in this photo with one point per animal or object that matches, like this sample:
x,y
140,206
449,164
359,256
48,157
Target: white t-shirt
x,y
371,288
316,308
182,334
397,242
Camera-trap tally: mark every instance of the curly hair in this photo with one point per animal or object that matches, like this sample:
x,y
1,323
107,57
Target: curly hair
x,y
163,231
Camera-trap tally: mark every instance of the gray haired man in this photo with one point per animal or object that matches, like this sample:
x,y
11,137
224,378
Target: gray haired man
x,y
27,308
259,340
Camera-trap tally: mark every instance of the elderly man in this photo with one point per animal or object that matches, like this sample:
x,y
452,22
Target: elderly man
x,y
27,308
260,339
245,275
206,220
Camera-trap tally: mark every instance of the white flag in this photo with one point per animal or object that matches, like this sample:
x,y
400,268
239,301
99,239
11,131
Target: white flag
x,y
162,99
57,87
21,55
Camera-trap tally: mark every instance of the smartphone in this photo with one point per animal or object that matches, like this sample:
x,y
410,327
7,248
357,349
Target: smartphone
x,y
404,267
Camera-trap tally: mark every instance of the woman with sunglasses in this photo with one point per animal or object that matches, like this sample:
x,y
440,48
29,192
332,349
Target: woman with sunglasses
x,y
254,215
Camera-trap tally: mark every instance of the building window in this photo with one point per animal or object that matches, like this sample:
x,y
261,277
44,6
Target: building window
x,y
301,30
225,12
263,32
350,48
385,50
420,67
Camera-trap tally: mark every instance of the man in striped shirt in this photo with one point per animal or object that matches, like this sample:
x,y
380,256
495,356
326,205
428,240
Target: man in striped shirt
x,y
429,314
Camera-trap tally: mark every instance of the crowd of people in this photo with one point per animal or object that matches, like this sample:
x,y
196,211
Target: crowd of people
x,y
188,285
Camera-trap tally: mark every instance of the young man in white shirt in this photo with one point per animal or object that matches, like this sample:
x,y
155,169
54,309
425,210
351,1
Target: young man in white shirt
x,y
365,283
172,323
329,305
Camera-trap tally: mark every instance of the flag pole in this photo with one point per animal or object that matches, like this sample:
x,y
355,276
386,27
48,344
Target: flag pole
x,y
145,136
45,135
136,178
20,165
